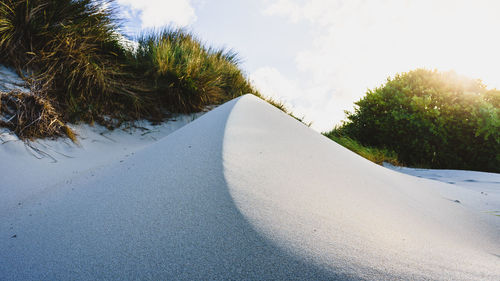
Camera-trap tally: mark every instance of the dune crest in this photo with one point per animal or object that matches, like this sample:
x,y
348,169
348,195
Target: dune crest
x,y
324,203
245,192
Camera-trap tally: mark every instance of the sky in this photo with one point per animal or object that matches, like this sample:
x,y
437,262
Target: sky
x,y
320,56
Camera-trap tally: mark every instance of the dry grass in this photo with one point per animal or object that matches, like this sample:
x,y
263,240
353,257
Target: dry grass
x,y
31,116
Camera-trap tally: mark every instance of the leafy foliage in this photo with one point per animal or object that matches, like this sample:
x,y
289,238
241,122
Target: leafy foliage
x,y
431,119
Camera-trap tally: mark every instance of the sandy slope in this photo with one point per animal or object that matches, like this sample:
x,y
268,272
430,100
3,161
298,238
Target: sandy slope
x,y
476,190
246,192
27,169
30,168
325,203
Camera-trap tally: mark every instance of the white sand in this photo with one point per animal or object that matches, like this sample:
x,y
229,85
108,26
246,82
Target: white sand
x,y
246,192
476,190
29,169
9,80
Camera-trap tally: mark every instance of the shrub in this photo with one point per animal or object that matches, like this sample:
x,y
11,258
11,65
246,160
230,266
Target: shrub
x,y
431,119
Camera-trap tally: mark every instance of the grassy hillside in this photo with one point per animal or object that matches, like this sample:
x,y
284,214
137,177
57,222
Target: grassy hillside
x,y
71,55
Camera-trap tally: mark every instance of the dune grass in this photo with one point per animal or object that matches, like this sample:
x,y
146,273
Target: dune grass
x,y
182,75
283,107
70,50
30,116
376,155
72,53
494,213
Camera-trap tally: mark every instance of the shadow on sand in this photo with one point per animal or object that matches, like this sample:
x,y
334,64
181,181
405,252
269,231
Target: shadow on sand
x,y
164,214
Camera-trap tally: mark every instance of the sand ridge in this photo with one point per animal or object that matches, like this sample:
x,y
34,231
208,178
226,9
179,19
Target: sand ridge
x,y
246,192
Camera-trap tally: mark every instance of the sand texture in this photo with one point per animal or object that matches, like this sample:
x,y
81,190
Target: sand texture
x,y
246,192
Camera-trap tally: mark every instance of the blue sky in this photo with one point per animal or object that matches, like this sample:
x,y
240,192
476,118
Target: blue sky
x,y
319,56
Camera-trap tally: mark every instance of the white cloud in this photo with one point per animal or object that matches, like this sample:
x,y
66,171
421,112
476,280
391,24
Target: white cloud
x,y
156,13
357,44
271,82
285,8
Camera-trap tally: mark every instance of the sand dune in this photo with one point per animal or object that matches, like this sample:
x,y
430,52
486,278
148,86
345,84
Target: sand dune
x,y
246,192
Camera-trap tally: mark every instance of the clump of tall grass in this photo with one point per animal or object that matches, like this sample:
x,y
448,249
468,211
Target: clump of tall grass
x,y
30,115
71,50
376,155
185,76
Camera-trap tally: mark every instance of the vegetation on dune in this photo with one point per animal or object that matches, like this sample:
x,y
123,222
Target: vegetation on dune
x,y
376,155
71,52
30,115
430,119
185,76
182,75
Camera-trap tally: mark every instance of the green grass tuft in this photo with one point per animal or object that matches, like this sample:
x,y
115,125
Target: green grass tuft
x,y
376,155
183,75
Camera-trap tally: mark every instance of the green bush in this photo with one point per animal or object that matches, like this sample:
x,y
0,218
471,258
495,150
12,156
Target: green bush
x,y
431,119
